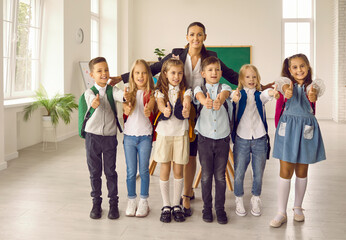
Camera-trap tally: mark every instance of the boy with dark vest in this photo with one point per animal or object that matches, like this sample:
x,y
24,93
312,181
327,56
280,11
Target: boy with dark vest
x,y
100,132
213,129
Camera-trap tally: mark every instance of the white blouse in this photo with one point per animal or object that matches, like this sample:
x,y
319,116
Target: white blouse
x,y
193,77
137,124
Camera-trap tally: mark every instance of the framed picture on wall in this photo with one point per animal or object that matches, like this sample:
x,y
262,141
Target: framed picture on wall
x,y
88,80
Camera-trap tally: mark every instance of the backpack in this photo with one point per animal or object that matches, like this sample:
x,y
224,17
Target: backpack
x,y
84,113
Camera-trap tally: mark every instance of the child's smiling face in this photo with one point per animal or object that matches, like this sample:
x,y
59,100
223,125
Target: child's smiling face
x,y
298,69
212,73
100,73
175,75
140,76
250,79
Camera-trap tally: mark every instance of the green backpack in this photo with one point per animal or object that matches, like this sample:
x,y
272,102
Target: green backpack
x,y
84,113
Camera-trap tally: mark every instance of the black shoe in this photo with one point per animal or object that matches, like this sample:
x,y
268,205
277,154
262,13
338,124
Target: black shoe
x,y
191,198
187,212
221,217
207,215
166,214
113,212
96,211
178,214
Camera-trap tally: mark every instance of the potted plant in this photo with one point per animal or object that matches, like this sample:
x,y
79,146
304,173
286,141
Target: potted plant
x,y
160,53
59,106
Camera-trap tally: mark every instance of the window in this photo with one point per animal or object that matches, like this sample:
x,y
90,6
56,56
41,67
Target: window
x,y
298,28
21,46
95,26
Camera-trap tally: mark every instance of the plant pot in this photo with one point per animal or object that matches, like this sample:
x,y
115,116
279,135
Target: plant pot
x,y
48,134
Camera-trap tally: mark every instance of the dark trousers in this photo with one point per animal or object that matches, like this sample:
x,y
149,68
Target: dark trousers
x,y
98,148
213,156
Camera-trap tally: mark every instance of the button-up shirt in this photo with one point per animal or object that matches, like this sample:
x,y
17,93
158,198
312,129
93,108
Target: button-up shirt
x,y
212,123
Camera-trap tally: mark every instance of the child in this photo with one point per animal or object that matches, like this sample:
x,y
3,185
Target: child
x,y
298,141
213,129
138,135
100,137
250,136
172,142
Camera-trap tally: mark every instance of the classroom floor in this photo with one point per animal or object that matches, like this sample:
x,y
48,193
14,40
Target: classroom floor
x,y
45,195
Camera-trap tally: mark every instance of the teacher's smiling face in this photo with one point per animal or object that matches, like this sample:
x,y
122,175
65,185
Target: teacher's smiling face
x,y
196,37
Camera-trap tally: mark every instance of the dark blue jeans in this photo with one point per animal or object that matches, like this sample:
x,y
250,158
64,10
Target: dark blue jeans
x,y
213,156
100,148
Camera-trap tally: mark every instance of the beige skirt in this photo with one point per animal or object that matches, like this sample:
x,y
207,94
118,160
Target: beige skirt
x,y
172,148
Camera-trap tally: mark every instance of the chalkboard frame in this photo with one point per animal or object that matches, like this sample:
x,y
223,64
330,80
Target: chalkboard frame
x,y
233,61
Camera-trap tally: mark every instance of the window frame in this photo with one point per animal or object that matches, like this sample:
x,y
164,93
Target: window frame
x,y
94,16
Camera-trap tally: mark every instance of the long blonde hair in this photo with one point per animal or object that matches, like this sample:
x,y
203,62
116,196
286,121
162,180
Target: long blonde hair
x,y
242,72
149,89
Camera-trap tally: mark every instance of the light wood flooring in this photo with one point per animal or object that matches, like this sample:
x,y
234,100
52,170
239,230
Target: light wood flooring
x,y
45,195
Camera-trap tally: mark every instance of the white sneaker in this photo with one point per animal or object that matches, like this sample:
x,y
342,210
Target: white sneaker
x,y
131,207
143,208
256,206
239,207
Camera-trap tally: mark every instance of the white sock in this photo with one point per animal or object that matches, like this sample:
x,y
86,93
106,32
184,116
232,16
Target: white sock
x,y
164,187
283,193
178,190
300,189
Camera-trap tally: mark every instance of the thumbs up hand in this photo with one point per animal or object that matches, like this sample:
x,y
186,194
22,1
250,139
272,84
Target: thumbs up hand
x,y
275,93
96,102
236,96
127,108
289,91
167,111
217,103
208,102
127,95
312,94
186,109
147,111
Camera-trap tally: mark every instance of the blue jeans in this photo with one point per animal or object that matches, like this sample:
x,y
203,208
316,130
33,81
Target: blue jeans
x,y
137,147
242,149
213,156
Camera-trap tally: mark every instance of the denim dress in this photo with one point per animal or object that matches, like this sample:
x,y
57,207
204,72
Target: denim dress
x,y
298,137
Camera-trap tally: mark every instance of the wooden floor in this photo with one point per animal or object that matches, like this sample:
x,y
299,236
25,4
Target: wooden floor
x,y
45,195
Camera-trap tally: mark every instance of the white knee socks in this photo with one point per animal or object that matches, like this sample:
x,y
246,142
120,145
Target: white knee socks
x,y
164,187
178,190
283,193
300,189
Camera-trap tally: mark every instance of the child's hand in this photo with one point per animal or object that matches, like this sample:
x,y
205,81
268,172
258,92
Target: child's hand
x,y
167,111
115,80
127,95
96,102
275,92
236,96
208,102
127,108
289,91
147,111
186,109
312,94
217,103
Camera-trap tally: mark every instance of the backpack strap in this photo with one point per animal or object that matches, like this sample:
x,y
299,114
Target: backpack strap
x,y
84,113
109,93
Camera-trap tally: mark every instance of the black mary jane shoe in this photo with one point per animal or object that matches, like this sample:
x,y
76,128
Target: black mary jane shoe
x,y
191,198
187,212
166,214
178,214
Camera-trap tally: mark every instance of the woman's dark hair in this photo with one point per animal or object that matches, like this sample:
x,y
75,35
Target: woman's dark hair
x,y
203,50
287,64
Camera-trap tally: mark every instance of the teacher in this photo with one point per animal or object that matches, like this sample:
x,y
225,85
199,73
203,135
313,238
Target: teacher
x,y
192,56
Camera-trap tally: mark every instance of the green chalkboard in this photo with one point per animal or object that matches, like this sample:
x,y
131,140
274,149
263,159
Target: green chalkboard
x,y
233,56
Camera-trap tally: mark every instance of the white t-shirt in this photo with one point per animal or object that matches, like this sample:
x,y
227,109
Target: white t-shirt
x,y
137,124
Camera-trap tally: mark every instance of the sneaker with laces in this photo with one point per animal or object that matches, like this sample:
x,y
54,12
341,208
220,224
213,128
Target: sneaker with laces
x,y
131,208
239,207
256,206
143,208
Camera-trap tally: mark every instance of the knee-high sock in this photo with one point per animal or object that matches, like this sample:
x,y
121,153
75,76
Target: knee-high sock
x,y
164,187
300,189
283,193
178,189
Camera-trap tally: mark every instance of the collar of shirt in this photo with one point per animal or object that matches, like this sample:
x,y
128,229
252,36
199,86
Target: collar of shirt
x,y
172,88
212,89
102,90
250,90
